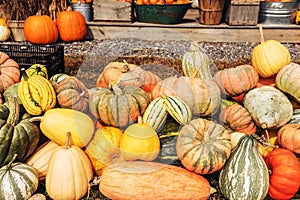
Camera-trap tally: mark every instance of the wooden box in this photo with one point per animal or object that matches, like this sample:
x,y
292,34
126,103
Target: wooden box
x,y
242,12
112,10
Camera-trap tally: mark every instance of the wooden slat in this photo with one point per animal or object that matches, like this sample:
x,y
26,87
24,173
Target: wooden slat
x,y
111,10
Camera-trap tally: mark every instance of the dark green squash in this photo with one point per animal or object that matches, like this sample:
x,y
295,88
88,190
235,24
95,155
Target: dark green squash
x,y
17,134
168,137
245,174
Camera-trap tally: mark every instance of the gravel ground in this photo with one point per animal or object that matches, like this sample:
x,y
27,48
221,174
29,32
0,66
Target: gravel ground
x,y
162,57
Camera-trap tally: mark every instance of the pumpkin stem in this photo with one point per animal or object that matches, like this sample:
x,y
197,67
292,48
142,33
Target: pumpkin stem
x,y
12,160
263,141
194,46
14,111
262,39
117,90
67,141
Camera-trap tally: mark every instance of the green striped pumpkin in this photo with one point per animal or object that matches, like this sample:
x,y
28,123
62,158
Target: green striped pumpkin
x,y
168,137
203,146
245,174
178,109
118,107
195,63
17,180
295,117
155,114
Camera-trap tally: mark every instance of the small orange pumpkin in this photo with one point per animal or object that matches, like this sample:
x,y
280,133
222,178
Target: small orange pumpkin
x,y
289,137
71,25
40,30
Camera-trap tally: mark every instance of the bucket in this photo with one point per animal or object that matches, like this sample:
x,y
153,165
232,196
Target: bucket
x,y
278,12
211,11
86,9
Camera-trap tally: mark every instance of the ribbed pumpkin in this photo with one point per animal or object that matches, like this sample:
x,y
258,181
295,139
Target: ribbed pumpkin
x,y
196,63
9,72
40,30
284,173
17,134
103,149
268,107
39,159
71,25
245,174
69,172
237,118
237,80
4,30
288,80
72,93
126,74
203,146
150,180
203,97
269,57
56,122
18,180
118,107
289,137
139,142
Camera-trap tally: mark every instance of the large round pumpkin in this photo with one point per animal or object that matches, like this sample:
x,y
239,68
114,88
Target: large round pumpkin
x,y
69,172
18,180
71,25
236,81
118,107
203,146
285,173
40,30
202,96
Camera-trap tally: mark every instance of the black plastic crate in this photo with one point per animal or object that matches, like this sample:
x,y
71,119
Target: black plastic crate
x,y
51,56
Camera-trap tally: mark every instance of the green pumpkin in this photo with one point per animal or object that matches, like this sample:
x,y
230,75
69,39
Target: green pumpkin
x,y
18,180
37,69
195,63
245,174
17,134
168,137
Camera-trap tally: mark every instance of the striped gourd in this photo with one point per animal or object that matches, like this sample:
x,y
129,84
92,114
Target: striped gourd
x,y
155,114
195,63
178,109
295,117
245,174
18,180
168,137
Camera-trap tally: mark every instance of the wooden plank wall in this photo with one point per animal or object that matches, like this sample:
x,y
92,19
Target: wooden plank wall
x,y
112,10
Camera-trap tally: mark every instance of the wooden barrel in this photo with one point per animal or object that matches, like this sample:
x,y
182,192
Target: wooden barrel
x,y
211,11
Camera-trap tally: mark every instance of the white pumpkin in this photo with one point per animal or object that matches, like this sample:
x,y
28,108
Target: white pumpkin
x,y
4,30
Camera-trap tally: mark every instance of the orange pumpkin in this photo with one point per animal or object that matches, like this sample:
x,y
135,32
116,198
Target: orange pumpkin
x,y
285,173
202,96
40,30
71,25
9,72
236,81
127,74
237,118
289,137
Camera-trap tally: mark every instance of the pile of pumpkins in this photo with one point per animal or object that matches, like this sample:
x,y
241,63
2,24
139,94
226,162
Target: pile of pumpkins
x,y
143,137
68,26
